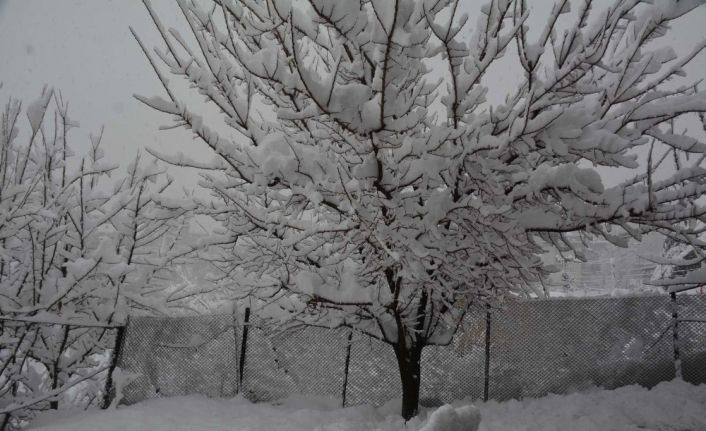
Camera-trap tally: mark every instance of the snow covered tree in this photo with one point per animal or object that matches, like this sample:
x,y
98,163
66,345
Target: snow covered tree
x,y
364,180
75,242
76,249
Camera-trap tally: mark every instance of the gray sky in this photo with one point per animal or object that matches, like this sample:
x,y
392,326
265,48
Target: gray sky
x,y
84,49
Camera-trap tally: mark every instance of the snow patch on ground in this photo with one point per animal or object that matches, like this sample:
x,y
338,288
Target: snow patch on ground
x,y
669,406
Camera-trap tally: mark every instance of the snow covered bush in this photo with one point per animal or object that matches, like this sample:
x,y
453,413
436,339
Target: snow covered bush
x,y
76,248
363,179
74,241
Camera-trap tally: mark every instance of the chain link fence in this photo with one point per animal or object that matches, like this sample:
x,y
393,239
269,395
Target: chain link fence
x,y
692,337
166,356
536,347
565,345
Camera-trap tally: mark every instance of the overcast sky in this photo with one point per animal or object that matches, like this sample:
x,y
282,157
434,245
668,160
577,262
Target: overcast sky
x,y
84,48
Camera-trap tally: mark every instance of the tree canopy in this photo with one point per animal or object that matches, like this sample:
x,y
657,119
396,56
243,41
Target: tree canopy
x,y
364,179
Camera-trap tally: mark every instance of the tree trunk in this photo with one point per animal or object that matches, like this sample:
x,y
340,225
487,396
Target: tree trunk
x,y
109,391
4,426
409,363
56,366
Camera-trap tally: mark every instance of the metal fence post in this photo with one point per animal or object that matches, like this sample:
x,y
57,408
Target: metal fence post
x,y
486,383
347,366
675,336
236,326
109,389
243,347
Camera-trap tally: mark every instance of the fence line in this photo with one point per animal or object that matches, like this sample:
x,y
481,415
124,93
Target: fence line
x,y
529,348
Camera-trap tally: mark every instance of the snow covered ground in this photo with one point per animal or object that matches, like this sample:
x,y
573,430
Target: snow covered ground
x,y
670,406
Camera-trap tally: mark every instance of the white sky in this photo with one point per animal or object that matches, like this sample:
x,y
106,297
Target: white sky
x,y
84,49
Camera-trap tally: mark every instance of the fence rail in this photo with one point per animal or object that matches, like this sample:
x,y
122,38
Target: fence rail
x,y
527,349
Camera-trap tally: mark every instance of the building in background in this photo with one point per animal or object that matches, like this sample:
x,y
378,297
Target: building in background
x,y
608,271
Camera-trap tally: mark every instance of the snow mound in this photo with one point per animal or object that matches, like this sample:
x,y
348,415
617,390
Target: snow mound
x,y
450,418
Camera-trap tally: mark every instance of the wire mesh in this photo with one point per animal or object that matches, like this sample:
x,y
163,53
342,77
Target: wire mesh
x,y
692,337
560,346
179,356
302,361
455,371
536,347
372,375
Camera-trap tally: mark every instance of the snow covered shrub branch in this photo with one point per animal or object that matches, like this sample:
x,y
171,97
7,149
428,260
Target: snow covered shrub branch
x,y
76,247
75,242
368,182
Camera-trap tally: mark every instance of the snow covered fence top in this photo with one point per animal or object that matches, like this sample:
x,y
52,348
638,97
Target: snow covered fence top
x,y
536,347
